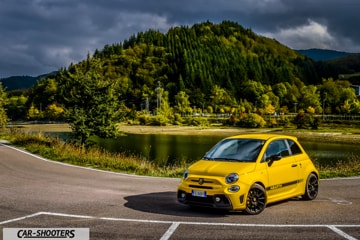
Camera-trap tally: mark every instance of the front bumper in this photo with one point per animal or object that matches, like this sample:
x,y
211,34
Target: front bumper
x,y
217,195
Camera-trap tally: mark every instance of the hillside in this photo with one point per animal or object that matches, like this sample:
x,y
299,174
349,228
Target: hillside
x,y
208,62
347,68
197,58
207,54
348,64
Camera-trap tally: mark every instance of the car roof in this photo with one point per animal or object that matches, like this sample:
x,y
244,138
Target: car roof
x,y
263,136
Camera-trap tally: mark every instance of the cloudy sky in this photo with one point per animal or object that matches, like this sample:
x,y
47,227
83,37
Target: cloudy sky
x,y
40,36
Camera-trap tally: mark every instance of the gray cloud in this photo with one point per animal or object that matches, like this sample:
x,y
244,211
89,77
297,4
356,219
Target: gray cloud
x,y
40,36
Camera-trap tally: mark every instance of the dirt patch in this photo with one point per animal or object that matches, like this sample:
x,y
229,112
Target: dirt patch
x,y
48,127
335,137
183,130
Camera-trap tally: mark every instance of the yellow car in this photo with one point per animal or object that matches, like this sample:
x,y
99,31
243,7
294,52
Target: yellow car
x,y
246,172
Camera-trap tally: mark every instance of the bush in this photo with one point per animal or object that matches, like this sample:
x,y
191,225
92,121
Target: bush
x,y
252,120
159,120
284,121
144,119
300,120
305,120
197,121
178,120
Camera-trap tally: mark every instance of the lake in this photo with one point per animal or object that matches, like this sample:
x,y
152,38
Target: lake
x,y
170,149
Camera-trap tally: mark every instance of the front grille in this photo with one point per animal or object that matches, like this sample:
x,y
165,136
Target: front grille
x,y
200,187
204,181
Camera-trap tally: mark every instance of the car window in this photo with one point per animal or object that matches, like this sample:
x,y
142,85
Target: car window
x,y
236,150
277,147
295,149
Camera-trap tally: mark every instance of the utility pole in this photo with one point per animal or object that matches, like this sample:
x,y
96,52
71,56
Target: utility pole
x,y
158,93
147,104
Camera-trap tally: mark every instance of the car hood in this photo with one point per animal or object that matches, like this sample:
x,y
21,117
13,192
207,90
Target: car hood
x,y
220,168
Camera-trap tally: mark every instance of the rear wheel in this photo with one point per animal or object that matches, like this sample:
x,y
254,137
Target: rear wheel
x,y
311,187
256,200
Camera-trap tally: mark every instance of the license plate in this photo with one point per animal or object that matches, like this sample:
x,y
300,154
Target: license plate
x,y
197,193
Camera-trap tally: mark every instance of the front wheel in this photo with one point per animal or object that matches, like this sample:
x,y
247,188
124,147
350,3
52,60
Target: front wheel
x,y
256,200
311,187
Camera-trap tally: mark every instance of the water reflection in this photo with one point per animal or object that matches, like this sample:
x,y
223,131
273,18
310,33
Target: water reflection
x,y
330,153
163,149
170,149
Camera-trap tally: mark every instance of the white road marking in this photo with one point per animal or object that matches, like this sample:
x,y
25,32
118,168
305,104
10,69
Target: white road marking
x,y
170,231
341,178
334,200
175,224
20,218
341,233
340,201
75,166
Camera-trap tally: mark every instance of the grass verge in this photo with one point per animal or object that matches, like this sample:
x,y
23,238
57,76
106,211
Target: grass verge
x,y
54,149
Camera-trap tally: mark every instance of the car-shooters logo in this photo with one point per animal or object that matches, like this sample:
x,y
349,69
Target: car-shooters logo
x,y
46,233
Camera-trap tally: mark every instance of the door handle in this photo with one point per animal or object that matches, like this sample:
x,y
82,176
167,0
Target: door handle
x,y
294,165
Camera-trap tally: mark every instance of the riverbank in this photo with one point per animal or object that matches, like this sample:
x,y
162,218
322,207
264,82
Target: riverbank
x,y
334,135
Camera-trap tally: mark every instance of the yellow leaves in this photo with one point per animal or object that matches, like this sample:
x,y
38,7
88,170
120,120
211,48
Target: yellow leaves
x,y
310,110
33,113
54,111
269,109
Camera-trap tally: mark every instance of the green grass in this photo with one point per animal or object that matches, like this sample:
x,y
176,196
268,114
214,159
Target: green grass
x,y
341,169
53,148
347,76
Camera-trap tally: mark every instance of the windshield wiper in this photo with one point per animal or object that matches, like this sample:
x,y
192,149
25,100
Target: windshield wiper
x,y
227,159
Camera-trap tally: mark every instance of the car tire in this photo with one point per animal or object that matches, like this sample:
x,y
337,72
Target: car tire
x,y
311,187
256,200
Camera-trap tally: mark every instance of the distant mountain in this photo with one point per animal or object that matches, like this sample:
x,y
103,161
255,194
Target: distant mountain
x,y
18,82
322,54
21,82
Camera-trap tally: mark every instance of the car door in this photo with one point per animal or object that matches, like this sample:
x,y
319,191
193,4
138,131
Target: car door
x,y
301,158
282,170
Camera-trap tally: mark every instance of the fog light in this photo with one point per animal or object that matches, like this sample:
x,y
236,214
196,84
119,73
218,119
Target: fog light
x,y
217,199
234,188
183,195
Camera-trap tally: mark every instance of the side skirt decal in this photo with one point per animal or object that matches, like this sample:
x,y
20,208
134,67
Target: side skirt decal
x,y
277,186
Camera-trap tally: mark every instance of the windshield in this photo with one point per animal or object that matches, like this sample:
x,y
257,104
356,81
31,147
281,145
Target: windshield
x,y
238,150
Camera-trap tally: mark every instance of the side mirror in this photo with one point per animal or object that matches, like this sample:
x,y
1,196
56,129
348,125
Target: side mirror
x,y
273,158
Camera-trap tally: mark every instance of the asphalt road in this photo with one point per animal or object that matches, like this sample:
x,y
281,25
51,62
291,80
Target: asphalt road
x,y
38,193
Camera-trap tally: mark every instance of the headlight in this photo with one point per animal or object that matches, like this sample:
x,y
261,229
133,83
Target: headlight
x,y
231,178
186,174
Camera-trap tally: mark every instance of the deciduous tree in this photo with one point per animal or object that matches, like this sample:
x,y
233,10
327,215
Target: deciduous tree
x,y
3,100
91,101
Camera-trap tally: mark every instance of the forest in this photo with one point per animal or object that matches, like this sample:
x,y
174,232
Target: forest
x,y
202,70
